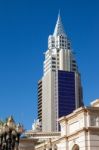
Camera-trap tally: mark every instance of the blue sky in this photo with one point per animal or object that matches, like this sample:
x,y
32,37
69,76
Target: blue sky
x,y
24,29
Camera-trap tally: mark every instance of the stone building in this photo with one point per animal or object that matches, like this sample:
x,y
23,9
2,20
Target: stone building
x,y
27,144
79,131
32,138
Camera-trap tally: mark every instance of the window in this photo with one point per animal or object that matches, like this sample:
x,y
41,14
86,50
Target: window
x,y
53,62
73,61
68,47
57,50
97,121
68,44
55,147
53,66
75,147
53,70
53,58
53,45
74,65
57,54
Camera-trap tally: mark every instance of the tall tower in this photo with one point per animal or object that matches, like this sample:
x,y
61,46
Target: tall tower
x,y
59,90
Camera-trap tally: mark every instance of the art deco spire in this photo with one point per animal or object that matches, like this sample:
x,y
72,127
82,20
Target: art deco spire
x,y
59,29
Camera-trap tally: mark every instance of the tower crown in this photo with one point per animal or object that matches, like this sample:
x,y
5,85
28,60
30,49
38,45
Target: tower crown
x,y
59,38
59,29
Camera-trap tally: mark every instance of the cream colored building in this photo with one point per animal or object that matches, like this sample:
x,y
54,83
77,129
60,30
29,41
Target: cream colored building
x,y
79,131
27,144
31,139
59,57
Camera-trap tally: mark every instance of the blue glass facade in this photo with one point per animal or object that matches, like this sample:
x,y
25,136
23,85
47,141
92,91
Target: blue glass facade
x,y
66,92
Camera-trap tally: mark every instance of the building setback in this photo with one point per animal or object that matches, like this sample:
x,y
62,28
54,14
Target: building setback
x,y
59,90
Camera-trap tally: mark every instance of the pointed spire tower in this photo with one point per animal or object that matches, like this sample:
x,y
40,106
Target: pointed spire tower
x,y
59,38
59,29
59,90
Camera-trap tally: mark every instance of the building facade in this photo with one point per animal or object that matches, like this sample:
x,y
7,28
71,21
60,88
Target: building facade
x,y
61,90
79,131
27,144
40,100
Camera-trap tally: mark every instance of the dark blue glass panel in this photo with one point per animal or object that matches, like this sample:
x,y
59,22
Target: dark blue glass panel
x,y
66,92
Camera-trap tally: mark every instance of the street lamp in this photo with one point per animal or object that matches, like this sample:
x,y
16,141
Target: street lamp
x,y
10,135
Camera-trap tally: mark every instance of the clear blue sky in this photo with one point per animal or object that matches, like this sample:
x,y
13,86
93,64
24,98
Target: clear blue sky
x,y
24,28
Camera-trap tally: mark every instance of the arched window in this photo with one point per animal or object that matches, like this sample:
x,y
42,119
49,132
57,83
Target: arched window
x,y
75,147
44,147
55,147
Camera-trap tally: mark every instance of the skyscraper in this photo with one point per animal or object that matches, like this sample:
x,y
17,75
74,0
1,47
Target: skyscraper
x,y
59,90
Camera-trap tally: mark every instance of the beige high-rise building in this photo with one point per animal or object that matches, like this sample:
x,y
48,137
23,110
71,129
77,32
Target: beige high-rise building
x,y
61,90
